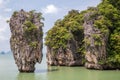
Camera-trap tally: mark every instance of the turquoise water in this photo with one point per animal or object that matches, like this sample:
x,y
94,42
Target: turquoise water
x,y
8,71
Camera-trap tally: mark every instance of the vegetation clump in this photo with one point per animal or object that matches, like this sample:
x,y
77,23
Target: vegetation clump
x,y
66,30
106,18
30,28
111,20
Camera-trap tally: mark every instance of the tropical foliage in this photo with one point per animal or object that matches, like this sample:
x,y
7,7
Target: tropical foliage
x,y
65,30
108,12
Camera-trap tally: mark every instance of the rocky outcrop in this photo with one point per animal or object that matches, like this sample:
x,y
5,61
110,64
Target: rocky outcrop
x,y
65,41
91,40
101,49
26,39
65,57
95,42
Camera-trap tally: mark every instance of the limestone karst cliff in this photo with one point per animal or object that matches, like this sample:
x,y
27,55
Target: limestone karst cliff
x,y
95,41
92,37
104,38
26,39
64,42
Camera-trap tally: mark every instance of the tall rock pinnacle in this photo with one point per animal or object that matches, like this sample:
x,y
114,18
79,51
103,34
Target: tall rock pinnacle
x,y
26,39
95,42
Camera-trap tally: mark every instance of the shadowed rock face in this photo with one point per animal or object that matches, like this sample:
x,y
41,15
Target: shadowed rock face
x,y
95,43
26,39
65,57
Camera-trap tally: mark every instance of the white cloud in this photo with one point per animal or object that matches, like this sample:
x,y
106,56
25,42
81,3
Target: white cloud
x,y
4,28
49,9
7,9
1,2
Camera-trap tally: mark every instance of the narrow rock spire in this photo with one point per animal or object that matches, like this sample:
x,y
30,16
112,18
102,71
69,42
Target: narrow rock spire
x,y
26,39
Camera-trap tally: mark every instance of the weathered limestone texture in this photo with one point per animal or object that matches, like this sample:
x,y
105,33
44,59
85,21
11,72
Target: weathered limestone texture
x,y
26,39
67,57
95,43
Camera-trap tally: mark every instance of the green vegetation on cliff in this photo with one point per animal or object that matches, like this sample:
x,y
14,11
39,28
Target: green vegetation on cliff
x,y
31,28
110,10
26,39
65,30
106,18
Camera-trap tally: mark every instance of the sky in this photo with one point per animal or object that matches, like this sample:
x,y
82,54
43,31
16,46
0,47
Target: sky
x,y
51,10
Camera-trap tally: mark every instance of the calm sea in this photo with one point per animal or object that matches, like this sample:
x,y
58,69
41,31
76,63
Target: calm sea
x,y
8,71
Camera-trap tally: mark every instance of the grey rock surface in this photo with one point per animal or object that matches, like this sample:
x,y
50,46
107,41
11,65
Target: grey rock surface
x,y
26,39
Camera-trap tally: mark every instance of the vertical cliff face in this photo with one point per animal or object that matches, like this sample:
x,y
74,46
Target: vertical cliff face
x,y
65,57
65,41
100,36
95,41
26,39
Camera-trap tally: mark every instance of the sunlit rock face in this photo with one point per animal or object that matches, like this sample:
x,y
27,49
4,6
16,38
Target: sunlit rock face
x,y
95,43
63,57
26,39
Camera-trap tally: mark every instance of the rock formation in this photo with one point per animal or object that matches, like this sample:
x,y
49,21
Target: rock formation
x,y
95,42
98,28
26,39
65,41
64,57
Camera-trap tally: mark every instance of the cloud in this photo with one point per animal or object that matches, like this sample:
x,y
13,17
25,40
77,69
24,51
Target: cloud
x,y
1,2
7,9
4,28
4,34
50,9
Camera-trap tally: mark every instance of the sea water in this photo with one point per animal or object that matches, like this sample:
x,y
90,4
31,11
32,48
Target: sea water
x,y
9,71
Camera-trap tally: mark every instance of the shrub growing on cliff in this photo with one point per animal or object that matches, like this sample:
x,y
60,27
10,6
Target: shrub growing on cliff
x,y
26,41
106,18
58,37
15,13
30,28
70,28
108,21
110,11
